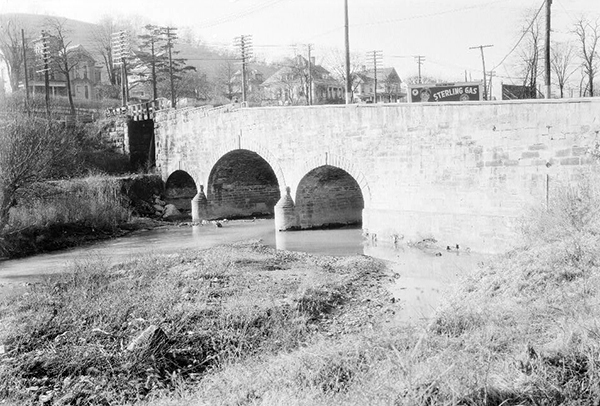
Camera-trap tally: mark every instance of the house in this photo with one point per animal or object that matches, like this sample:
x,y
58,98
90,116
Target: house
x,y
254,80
84,74
294,84
389,86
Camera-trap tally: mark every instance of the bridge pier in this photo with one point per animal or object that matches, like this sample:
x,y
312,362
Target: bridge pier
x,y
199,206
285,212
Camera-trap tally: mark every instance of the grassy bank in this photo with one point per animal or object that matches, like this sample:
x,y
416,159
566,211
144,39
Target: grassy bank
x,y
522,331
74,337
247,325
54,215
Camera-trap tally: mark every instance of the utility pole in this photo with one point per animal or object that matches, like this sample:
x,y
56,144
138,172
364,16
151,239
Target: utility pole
x,y
347,41
420,59
171,35
120,49
375,57
42,49
483,62
26,71
548,27
244,42
309,84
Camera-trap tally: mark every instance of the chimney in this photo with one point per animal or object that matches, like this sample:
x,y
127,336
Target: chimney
x,y
312,61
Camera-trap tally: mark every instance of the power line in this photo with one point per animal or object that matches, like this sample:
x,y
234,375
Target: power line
x,y
239,14
439,13
389,21
522,35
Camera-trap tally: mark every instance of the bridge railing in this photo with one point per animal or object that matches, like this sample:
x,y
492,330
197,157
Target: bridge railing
x,y
139,111
147,111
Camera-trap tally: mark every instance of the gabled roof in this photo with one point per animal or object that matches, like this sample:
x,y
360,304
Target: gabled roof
x,y
292,67
80,49
382,74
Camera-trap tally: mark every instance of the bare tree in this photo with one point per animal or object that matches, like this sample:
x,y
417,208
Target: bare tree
x,y
11,49
64,58
335,61
225,77
562,63
103,36
32,150
530,52
588,33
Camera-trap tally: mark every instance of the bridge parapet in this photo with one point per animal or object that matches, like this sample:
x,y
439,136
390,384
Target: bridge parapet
x,y
140,111
462,173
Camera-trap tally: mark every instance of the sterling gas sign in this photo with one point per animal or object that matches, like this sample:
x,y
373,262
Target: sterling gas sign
x,y
442,92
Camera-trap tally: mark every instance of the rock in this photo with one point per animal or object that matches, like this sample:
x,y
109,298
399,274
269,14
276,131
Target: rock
x,y
47,398
67,399
153,340
159,208
170,211
158,201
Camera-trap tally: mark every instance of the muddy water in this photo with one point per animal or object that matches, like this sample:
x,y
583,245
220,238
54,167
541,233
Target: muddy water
x,y
422,276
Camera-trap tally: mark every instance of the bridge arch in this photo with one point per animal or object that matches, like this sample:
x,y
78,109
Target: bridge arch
x,y
242,183
180,189
340,162
328,196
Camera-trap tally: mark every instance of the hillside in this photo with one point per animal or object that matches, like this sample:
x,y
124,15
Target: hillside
x,y
205,59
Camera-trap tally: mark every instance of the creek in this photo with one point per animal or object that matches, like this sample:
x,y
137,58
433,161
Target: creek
x,y
423,276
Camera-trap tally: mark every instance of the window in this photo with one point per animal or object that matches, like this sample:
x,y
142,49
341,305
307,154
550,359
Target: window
x,y
85,73
87,92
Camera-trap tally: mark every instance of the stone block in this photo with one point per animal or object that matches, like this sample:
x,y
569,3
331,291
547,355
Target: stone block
x,y
530,154
538,147
570,161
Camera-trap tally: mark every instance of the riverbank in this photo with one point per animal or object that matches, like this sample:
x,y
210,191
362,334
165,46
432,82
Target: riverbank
x,y
160,323
55,215
248,324
244,324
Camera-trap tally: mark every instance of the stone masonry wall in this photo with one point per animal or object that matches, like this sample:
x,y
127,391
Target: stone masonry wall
x,y
462,173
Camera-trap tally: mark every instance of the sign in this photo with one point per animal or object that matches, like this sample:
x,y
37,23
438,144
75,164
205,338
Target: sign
x,y
443,92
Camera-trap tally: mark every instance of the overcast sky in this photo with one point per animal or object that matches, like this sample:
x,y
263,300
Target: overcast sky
x,y
441,30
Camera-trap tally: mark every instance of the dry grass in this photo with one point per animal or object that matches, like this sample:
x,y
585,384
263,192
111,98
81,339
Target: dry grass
x,y
269,328
68,336
94,201
522,331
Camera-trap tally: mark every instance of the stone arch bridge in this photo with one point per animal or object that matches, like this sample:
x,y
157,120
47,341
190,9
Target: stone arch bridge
x,y
461,173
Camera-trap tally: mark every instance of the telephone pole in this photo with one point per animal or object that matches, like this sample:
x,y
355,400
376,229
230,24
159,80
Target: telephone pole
x,y
375,57
42,50
120,49
547,50
26,71
309,84
483,62
420,59
347,40
244,42
171,35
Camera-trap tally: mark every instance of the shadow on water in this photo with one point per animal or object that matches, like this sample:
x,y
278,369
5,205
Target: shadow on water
x,y
422,277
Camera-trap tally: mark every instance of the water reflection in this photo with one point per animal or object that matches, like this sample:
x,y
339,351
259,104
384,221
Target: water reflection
x,y
341,241
422,276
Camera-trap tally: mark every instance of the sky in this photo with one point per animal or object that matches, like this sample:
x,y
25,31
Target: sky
x,y
443,31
